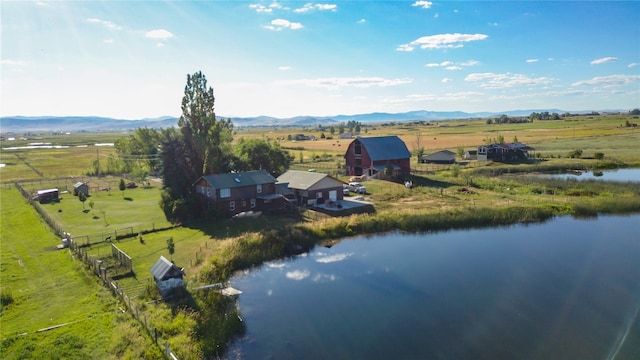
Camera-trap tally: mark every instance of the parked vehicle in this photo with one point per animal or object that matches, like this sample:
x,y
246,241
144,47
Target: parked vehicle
x,y
356,187
345,189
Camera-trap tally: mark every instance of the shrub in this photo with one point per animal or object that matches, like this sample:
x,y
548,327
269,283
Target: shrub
x,y
577,153
598,155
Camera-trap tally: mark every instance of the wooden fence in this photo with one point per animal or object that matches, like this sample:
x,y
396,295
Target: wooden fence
x,y
95,265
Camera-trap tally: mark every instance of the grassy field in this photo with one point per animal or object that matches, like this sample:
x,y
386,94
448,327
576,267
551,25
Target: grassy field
x,y
51,306
209,251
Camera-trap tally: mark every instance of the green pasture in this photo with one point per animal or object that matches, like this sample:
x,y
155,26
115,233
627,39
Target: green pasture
x,y
114,212
47,287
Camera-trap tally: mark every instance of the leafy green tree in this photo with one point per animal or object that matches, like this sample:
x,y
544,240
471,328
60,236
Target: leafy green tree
x,y
171,246
122,186
82,197
254,154
598,155
635,112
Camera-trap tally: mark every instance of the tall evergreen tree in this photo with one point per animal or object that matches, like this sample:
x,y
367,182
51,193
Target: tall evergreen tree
x,y
202,146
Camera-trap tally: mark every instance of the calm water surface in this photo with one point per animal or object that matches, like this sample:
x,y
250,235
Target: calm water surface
x,y
622,175
566,289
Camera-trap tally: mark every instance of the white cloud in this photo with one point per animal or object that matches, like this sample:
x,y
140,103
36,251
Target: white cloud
x,y
276,265
279,24
446,80
423,4
108,41
358,82
441,41
265,9
11,62
449,65
609,81
532,60
105,23
298,274
361,21
310,7
324,277
284,68
633,65
333,258
506,80
604,60
159,34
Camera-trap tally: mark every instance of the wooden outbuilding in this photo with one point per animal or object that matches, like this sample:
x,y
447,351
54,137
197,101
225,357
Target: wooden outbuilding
x,y
80,187
167,276
48,195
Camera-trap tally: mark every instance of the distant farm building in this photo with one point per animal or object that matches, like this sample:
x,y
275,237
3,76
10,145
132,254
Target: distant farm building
x,y
439,157
370,155
513,152
167,276
48,195
471,155
80,187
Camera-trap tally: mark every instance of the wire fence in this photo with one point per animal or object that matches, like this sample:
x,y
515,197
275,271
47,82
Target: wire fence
x,y
96,265
78,245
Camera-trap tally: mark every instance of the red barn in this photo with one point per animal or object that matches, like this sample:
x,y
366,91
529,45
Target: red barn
x,y
370,155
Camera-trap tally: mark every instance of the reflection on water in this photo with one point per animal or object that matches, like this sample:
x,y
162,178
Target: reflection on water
x,y
608,175
564,289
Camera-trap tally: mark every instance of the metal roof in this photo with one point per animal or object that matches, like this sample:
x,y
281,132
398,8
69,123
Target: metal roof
x,y
385,147
302,180
241,179
442,155
162,268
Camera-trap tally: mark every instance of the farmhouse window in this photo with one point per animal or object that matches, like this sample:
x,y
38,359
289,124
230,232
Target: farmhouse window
x,y
253,203
358,162
357,149
232,206
259,188
319,195
225,193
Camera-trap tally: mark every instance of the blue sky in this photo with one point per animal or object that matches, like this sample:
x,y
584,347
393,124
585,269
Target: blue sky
x,y
130,59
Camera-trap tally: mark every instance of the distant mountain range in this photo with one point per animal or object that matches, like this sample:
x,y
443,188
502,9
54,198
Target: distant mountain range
x,y
21,124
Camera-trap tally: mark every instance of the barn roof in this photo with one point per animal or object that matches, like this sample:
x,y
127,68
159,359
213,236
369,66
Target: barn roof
x,y
385,147
305,180
240,179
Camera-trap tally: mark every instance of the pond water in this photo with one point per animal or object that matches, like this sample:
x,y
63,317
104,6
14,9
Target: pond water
x,y
565,289
623,175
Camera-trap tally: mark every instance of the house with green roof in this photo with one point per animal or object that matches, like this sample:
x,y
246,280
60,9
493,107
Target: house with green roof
x,y
235,193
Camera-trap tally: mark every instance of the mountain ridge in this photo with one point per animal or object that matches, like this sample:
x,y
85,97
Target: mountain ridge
x,y
14,124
